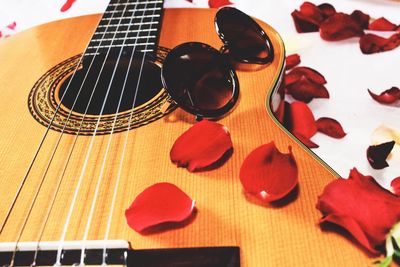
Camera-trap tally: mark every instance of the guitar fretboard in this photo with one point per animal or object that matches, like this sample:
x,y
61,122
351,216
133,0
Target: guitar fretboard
x,y
133,24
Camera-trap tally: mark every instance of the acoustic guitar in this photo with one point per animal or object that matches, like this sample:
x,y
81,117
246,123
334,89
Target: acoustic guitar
x,y
69,170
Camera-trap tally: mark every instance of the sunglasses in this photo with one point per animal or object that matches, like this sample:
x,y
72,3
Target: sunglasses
x,y
201,79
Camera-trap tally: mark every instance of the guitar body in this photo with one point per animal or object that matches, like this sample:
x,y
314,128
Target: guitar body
x,y
268,235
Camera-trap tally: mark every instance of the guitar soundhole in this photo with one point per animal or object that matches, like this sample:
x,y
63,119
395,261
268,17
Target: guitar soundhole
x,y
148,106
137,82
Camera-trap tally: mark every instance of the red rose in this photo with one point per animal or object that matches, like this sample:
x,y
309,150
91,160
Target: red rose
x,y
361,206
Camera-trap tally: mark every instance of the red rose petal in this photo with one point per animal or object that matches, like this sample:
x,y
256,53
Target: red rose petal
x,y
218,3
330,127
377,155
269,174
371,43
280,111
361,18
159,203
291,78
306,141
304,84
352,227
362,207
395,186
327,9
312,13
305,90
292,61
340,26
12,25
388,96
310,73
302,24
310,16
201,146
382,24
67,5
302,120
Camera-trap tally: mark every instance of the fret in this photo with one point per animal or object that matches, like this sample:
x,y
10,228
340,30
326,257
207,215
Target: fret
x,y
121,45
139,51
126,48
134,6
122,34
134,10
135,23
135,17
146,23
132,14
132,3
127,29
128,26
121,26
124,38
128,22
121,41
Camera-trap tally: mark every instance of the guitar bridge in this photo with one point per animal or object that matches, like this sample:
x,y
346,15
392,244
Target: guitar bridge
x,y
114,252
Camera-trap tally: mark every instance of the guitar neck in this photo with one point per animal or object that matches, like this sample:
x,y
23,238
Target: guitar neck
x,y
129,24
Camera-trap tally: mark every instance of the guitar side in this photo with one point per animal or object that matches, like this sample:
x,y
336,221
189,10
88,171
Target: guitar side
x,y
286,235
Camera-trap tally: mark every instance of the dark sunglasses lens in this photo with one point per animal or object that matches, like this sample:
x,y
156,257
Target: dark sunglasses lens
x,y
244,38
200,80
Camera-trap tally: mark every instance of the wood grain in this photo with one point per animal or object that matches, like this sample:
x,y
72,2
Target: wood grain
x,y
268,235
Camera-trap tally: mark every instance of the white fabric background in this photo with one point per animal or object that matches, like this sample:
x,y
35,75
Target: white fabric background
x,y
349,73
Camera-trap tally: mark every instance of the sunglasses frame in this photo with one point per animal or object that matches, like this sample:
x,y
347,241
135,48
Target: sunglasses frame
x,y
224,53
203,113
225,48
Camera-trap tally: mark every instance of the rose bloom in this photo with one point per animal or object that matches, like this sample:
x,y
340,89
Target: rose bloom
x,y
362,207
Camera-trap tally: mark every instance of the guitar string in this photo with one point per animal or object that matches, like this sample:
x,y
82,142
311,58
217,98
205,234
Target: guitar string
x,y
125,142
105,157
16,196
45,174
41,232
51,158
66,224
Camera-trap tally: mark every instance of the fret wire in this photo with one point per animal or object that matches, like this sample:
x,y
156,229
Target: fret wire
x,y
131,15
121,39
133,10
98,53
128,24
130,12
139,6
133,3
148,12
124,31
135,17
146,23
121,45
